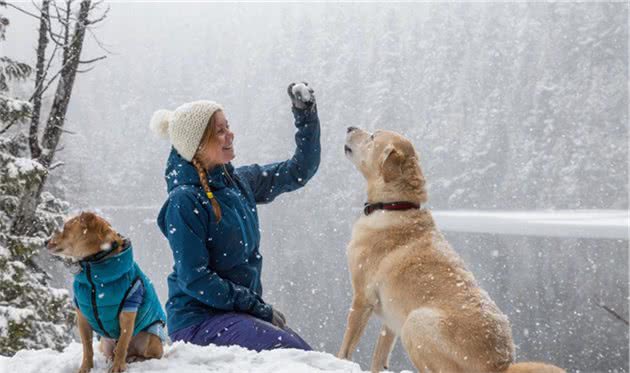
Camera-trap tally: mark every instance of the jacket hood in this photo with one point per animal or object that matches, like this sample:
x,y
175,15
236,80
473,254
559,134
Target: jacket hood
x,y
181,172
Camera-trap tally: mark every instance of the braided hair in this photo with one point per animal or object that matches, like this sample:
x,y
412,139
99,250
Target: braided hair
x,y
208,135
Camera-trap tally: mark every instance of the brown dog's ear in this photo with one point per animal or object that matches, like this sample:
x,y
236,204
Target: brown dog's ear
x,y
87,219
90,222
391,167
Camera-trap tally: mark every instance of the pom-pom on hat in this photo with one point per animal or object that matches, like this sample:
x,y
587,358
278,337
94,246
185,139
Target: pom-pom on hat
x,y
185,126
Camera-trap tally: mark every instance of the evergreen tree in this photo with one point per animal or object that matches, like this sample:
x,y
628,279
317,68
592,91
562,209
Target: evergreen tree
x,y
32,314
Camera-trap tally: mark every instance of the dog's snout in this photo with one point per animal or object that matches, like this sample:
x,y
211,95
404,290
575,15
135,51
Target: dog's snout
x,y
50,244
351,128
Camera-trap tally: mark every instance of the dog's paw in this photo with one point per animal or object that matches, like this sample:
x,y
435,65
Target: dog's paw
x,y
118,367
85,367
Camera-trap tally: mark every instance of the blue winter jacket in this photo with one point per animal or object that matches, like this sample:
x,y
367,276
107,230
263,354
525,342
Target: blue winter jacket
x,y
217,265
101,288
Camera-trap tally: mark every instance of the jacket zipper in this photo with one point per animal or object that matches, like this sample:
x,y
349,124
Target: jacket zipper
x,y
93,296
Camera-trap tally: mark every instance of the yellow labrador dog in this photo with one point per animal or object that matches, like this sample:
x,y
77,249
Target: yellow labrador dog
x,y
404,270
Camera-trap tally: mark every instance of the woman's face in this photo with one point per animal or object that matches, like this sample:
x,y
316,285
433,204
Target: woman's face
x,y
220,149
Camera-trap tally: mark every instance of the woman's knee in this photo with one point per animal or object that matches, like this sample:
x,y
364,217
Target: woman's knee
x,y
293,340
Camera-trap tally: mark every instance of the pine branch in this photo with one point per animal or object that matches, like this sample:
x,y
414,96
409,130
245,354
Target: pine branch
x,y
14,69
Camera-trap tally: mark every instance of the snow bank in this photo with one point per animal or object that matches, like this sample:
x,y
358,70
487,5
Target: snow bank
x,y
183,357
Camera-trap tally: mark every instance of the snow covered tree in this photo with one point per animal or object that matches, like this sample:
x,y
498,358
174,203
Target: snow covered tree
x,y
32,314
71,44
11,109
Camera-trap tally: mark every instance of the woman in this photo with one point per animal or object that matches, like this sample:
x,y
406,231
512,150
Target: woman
x,y
211,223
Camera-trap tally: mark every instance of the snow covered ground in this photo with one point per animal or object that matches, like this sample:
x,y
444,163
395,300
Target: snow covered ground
x,y
184,358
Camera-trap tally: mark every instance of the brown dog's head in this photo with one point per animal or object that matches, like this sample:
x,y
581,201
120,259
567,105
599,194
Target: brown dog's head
x,y
82,236
389,163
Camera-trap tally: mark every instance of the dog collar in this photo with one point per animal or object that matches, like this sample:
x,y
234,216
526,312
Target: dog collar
x,y
399,205
102,254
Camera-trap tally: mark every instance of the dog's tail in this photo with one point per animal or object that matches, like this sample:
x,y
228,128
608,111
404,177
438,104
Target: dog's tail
x,y
534,367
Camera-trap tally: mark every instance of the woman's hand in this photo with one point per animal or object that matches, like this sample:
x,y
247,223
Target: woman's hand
x,y
278,319
302,96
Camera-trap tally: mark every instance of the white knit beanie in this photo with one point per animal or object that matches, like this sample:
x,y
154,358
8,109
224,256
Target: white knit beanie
x,y
184,126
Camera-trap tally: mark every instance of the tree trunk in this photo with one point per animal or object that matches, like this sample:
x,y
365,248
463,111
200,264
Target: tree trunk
x,y
24,217
57,116
40,73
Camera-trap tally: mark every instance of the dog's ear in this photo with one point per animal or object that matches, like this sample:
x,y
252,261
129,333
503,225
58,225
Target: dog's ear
x,y
90,222
391,166
87,219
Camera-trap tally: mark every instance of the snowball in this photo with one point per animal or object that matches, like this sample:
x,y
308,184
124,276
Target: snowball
x,y
303,90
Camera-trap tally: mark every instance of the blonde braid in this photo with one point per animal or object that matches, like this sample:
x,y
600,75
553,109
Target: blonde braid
x,y
206,187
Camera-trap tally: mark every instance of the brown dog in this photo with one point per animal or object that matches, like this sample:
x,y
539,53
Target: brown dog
x,y
89,240
404,270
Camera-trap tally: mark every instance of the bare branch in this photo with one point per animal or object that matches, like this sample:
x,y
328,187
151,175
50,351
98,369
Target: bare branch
x,y
53,79
6,128
615,314
101,18
34,4
59,17
96,5
93,60
50,61
85,70
54,36
22,10
55,165
98,42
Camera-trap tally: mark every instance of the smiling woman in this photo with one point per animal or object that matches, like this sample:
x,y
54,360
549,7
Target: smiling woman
x,y
216,146
215,290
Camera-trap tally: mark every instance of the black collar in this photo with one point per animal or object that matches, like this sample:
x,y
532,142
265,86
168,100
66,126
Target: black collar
x,y
102,254
399,205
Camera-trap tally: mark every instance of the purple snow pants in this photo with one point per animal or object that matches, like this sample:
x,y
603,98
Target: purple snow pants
x,y
240,329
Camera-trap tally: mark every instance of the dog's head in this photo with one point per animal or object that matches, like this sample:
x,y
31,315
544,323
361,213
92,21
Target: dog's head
x,y
389,163
82,236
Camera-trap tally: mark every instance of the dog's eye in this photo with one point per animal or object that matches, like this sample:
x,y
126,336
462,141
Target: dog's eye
x,y
372,137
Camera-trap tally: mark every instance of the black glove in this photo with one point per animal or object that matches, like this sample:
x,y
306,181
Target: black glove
x,y
278,319
302,96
